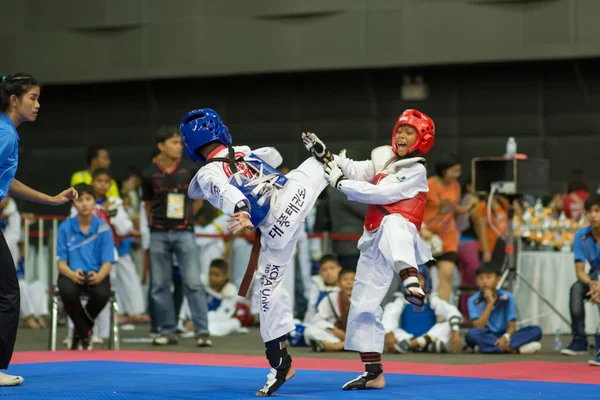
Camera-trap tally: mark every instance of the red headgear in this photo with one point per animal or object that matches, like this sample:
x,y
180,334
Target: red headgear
x,y
425,129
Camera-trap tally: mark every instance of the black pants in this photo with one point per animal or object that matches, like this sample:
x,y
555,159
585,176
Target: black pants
x,y
10,304
70,293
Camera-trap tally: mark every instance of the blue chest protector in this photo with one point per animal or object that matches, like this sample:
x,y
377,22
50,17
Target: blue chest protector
x,y
258,212
417,323
212,302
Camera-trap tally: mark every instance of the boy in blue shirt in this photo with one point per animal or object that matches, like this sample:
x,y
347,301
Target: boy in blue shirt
x,y
494,315
586,247
85,250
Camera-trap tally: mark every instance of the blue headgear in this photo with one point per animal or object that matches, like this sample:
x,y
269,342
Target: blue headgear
x,y
200,127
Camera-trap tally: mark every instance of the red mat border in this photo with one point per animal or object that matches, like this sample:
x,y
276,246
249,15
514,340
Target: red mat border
x,y
536,371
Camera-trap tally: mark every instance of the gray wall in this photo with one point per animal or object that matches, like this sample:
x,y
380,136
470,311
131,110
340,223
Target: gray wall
x,y
551,109
74,41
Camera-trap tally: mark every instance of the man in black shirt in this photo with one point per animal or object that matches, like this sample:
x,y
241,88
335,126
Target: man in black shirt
x,y
171,217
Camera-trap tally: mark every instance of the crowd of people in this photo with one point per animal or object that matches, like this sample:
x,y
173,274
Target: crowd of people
x,y
392,291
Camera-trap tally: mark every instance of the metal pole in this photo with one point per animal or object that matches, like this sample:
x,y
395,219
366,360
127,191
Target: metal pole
x,y
26,265
53,254
38,267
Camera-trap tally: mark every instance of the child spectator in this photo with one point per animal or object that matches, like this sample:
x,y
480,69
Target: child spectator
x,y
327,329
407,330
494,315
323,284
222,301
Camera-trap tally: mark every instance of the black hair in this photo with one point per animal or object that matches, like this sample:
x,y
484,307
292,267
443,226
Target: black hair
x,y
593,200
344,272
220,264
165,132
15,84
102,171
327,258
93,152
576,181
487,268
84,188
445,161
134,171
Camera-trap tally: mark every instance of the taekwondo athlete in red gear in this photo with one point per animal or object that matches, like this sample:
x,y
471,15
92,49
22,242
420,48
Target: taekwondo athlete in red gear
x,y
245,184
394,184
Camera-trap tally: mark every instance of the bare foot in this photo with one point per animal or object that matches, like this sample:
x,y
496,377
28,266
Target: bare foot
x,y
290,374
30,321
377,383
42,322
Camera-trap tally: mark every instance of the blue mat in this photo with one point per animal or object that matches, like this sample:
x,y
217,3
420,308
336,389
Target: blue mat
x,y
95,380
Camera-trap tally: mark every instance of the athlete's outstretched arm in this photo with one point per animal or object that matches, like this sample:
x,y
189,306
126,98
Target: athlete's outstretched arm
x,y
405,184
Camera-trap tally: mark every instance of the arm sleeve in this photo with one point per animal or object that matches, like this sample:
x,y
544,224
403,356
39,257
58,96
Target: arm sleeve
x,y
578,253
270,155
444,309
61,243
209,185
144,229
473,312
147,187
405,184
356,170
107,246
511,310
122,222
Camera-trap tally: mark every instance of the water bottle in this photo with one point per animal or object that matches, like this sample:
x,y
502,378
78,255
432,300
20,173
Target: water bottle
x,y
558,344
511,148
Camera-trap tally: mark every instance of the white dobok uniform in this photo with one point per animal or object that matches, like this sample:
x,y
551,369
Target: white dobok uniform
x,y
441,331
325,319
396,191
278,207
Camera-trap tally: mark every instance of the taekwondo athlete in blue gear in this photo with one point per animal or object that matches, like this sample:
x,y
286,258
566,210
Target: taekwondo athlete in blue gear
x,y
245,184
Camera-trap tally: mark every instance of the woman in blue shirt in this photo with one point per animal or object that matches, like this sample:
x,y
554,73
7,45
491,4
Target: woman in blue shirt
x,y
19,102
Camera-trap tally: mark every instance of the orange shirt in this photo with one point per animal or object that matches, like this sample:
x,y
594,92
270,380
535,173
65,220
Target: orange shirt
x,y
439,212
499,219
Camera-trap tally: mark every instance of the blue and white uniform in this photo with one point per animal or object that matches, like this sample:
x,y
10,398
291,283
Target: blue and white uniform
x,y
278,207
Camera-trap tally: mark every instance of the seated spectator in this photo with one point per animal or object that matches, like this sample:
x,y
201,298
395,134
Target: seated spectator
x,y
407,330
323,284
327,329
97,157
494,315
222,300
586,247
85,251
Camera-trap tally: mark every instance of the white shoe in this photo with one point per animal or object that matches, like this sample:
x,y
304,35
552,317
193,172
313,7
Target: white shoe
x,y
530,348
68,342
10,380
96,340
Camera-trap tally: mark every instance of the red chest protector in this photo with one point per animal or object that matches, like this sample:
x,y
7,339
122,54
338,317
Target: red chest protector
x,y
411,209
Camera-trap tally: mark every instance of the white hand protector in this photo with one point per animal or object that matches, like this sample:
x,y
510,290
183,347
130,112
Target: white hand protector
x,y
334,174
316,147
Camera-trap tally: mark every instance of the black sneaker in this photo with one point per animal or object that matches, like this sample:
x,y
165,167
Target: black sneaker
x,y
203,340
164,340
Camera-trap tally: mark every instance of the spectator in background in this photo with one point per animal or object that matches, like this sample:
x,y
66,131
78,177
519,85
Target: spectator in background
x,y
441,209
494,315
346,217
85,252
586,247
171,220
97,157
577,194
488,236
131,191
